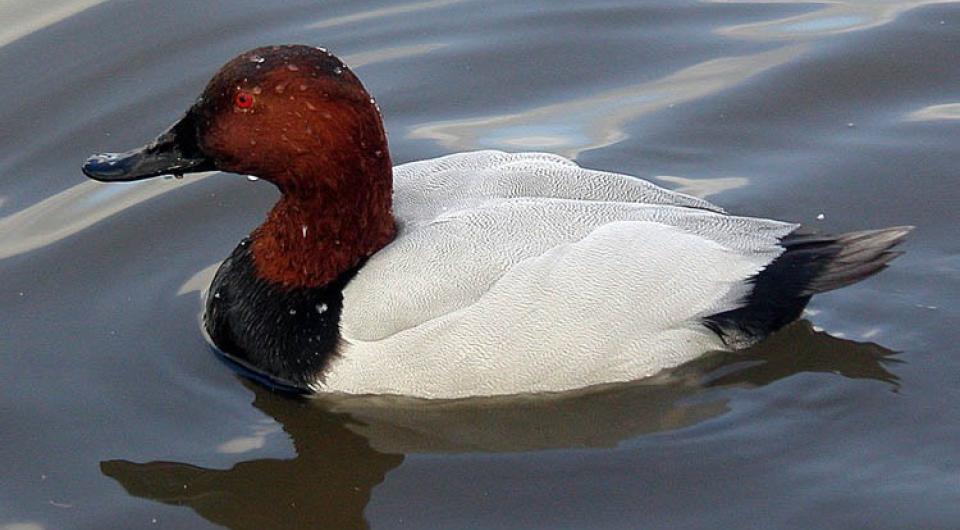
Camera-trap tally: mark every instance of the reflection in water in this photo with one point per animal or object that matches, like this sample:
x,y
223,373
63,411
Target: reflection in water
x,y
395,53
801,349
837,16
34,15
704,188
257,439
946,111
74,209
199,281
22,526
327,485
346,446
598,120
571,127
365,16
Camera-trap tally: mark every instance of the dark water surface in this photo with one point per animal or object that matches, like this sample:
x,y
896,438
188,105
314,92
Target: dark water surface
x,y
114,413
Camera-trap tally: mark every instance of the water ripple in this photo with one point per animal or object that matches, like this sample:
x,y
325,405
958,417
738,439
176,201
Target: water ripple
x,y
364,16
834,17
35,15
946,111
597,120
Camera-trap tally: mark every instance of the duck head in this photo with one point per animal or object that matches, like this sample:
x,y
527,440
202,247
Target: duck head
x,y
297,117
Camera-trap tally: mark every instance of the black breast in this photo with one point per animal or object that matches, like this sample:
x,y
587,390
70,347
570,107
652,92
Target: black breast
x,y
281,336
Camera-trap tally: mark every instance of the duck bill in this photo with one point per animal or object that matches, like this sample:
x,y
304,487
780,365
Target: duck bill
x,y
174,152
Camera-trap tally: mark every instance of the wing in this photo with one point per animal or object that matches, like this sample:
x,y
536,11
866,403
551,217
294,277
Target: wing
x,y
510,267
439,267
620,300
428,188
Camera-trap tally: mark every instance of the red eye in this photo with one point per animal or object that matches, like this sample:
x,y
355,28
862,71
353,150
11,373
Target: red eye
x,y
243,100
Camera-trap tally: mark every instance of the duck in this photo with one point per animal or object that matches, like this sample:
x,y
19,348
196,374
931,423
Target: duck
x,y
473,274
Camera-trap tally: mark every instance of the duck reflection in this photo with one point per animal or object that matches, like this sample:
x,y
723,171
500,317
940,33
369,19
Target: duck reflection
x,y
327,485
346,446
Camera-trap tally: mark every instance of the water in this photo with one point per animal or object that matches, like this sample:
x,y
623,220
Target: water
x,y
114,413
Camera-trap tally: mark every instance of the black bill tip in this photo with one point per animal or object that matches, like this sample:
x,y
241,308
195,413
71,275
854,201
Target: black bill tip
x,y
174,152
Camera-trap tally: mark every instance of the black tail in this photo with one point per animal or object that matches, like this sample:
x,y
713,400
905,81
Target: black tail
x,y
811,264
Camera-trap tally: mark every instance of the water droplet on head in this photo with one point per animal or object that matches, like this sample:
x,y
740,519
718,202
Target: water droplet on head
x,y
256,90
256,59
337,70
216,294
253,142
293,311
322,308
303,87
292,67
280,88
304,230
252,178
378,153
321,48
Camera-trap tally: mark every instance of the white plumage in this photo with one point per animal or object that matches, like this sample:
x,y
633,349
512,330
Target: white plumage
x,y
516,273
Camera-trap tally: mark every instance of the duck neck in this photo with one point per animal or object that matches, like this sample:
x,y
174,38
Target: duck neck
x,y
311,237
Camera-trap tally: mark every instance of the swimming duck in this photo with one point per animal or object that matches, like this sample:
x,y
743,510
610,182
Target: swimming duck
x,y
478,273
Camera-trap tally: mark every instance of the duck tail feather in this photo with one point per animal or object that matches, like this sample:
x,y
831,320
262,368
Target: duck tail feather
x,y
854,256
811,263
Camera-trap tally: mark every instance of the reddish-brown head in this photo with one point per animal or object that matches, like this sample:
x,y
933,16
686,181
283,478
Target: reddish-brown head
x,y
294,115
297,117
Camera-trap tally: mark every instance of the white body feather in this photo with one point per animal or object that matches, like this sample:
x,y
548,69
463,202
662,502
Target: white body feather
x,y
516,273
